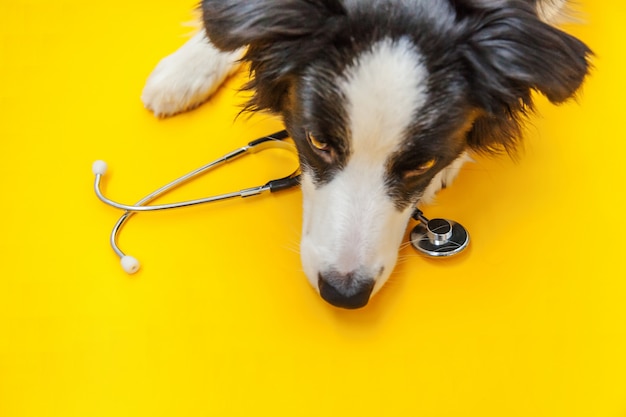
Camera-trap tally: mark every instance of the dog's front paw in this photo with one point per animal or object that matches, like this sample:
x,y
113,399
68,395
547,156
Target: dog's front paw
x,y
188,77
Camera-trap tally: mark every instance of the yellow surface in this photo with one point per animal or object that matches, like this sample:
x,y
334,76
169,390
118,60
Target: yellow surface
x,y
220,321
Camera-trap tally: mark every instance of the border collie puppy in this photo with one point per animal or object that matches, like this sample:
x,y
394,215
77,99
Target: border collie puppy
x,y
384,100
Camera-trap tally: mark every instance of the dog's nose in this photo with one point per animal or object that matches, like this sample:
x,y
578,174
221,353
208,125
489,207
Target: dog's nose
x,y
345,290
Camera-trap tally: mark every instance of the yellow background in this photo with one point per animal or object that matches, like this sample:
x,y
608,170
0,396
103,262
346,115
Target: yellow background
x,y
220,321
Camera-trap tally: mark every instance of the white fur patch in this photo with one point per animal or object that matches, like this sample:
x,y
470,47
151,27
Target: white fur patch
x,y
553,11
444,178
384,90
188,77
351,223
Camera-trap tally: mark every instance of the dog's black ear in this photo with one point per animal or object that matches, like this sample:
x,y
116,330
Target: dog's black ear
x,y
231,24
511,52
281,37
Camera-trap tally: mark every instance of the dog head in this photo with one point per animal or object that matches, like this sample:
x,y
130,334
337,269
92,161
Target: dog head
x,y
383,99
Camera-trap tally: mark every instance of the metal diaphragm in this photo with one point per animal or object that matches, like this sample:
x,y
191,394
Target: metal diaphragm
x,y
439,237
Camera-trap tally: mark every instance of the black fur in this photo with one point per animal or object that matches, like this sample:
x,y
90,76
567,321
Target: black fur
x,y
510,53
485,58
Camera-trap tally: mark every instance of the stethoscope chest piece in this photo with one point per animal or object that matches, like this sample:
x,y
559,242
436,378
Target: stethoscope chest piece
x,y
439,237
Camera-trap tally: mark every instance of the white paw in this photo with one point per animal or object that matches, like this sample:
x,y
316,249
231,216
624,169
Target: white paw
x,y
188,77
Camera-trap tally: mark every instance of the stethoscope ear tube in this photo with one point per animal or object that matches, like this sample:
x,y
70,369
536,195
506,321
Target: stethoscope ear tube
x,y
282,135
99,168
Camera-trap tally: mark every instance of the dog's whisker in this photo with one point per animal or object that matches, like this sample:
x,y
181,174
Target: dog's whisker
x,y
294,248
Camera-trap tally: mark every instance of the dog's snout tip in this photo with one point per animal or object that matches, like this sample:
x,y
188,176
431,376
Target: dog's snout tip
x,y
345,291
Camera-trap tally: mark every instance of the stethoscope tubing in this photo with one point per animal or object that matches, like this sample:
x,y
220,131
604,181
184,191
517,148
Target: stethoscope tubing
x,y
271,141
255,146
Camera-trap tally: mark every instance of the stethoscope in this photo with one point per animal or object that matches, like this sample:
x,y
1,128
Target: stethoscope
x,y
435,237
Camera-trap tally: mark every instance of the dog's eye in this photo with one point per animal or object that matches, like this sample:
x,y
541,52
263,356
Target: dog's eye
x,y
317,144
420,170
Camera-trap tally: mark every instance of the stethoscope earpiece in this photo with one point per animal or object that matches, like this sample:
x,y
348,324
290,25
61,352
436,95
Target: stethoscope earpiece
x,y
438,237
130,265
99,167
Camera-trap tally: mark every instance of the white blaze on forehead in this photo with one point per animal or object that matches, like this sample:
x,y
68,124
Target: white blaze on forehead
x,y
384,90
350,222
